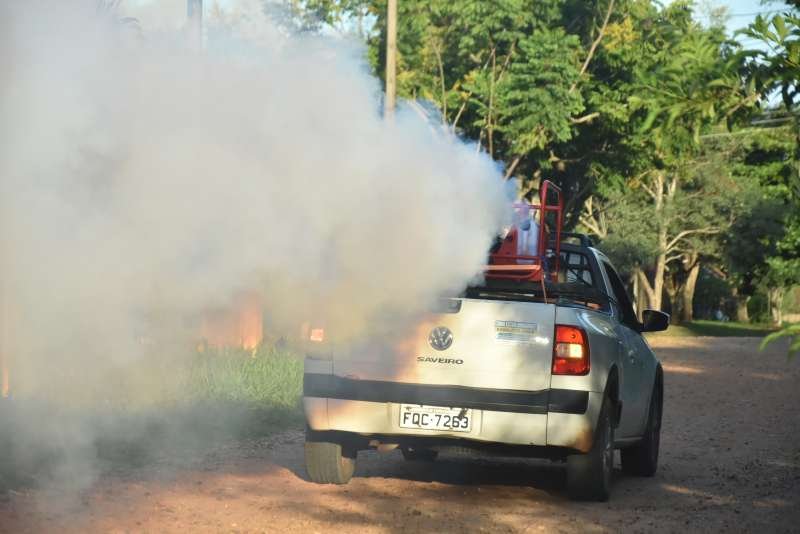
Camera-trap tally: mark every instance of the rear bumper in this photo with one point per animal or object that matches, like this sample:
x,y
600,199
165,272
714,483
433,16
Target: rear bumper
x,y
497,400
553,417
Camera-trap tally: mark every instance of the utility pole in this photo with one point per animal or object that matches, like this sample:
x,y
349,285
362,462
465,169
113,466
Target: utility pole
x,y
194,13
391,58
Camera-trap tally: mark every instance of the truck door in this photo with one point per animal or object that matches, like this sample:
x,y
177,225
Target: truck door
x,y
632,389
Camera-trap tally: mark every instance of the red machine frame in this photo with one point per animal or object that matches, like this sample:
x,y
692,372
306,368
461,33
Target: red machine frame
x,y
505,263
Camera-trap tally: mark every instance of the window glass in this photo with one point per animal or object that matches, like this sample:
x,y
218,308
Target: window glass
x,y
574,267
620,294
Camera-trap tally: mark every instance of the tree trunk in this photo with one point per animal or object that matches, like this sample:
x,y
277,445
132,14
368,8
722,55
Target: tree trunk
x,y
442,83
775,295
490,111
391,59
641,303
648,294
661,267
687,294
663,199
742,315
673,288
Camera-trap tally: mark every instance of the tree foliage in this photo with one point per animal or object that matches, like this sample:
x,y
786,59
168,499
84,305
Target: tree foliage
x,y
775,68
647,119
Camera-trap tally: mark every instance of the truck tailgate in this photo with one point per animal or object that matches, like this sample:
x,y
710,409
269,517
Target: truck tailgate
x,y
485,344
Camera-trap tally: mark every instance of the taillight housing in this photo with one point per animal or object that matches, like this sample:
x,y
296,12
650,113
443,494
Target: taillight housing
x,y
570,351
317,335
317,344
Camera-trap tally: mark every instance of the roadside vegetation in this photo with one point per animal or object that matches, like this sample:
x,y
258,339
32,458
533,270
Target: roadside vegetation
x,y
266,377
717,329
678,142
176,410
792,332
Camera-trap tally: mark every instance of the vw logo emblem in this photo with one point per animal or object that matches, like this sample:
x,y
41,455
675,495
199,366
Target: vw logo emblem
x,y
440,338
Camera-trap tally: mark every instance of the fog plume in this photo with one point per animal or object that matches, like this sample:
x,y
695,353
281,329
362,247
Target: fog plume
x,y
142,183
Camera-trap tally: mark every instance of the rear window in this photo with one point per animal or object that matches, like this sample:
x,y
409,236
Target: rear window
x,y
574,267
577,285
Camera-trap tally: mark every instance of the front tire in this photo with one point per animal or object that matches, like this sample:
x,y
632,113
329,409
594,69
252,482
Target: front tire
x,y
642,459
329,462
589,475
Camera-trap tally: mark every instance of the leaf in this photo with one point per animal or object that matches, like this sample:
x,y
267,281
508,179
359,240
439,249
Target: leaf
x,y
759,25
793,330
650,119
780,27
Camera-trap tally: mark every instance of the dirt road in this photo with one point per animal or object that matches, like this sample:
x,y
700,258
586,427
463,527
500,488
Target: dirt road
x,y
730,462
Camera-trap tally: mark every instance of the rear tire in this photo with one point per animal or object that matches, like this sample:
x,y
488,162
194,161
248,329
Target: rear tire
x,y
419,455
328,462
589,475
642,459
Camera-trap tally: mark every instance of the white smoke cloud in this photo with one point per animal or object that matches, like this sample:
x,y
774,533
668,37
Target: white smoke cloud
x,y
141,183
157,15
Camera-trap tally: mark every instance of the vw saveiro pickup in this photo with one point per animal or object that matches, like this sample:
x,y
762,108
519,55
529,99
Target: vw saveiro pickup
x,y
548,363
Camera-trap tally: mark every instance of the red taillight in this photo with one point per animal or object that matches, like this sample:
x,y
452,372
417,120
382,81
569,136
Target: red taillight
x,y
317,334
571,351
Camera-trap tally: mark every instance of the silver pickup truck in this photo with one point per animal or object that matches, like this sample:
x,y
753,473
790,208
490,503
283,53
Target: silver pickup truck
x,y
555,370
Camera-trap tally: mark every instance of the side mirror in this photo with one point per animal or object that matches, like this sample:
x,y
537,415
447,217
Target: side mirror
x,y
654,321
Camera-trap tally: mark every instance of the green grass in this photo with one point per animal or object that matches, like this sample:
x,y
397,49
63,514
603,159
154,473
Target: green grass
x,y
266,377
717,329
180,409
266,386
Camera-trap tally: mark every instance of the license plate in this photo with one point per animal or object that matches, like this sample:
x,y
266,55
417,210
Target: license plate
x,y
435,418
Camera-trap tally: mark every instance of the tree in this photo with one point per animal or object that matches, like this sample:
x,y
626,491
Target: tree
x,y
679,73
666,227
614,100
777,69
496,71
762,161
511,75
537,105
780,69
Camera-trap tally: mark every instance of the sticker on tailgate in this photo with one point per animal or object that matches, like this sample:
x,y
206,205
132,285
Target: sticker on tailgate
x,y
516,331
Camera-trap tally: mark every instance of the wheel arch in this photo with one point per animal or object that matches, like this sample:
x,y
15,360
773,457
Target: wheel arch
x,y
612,393
658,382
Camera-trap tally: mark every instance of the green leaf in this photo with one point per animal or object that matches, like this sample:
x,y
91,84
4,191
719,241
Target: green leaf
x,y
651,117
780,27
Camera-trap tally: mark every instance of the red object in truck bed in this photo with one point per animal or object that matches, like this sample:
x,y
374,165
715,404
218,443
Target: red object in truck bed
x,y
505,260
